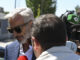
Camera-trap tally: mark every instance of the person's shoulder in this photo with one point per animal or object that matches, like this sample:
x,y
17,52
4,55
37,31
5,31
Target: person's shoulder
x,y
69,42
14,43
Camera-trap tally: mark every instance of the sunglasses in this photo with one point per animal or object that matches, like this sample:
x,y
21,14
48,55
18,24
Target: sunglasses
x,y
17,29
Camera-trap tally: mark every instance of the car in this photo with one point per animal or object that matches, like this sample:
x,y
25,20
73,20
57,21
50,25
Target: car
x,y
2,49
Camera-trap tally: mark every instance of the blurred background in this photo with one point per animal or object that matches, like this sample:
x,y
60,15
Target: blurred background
x,y
61,8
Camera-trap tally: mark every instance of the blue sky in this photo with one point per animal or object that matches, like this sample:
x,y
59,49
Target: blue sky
x,y
62,5
9,5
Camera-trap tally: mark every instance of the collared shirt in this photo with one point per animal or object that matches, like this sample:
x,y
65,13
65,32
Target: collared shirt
x,y
71,45
28,53
58,53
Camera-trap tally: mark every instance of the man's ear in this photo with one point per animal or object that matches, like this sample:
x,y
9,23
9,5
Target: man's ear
x,y
36,47
35,43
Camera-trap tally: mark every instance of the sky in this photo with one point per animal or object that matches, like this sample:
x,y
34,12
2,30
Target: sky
x,y
62,5
9,5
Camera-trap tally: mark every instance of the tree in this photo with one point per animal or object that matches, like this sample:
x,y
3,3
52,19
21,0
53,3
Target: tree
x,y
42,6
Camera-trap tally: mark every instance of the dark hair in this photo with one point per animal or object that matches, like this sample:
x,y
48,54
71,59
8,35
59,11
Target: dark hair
x,y
49,30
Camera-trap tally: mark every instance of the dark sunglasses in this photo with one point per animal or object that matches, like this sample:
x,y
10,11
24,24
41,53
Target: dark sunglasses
x,y
16,29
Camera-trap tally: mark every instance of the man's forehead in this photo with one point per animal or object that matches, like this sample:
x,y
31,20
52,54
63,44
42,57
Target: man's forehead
x,y
18,20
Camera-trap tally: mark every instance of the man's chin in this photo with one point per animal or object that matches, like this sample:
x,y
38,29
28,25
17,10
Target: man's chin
x,y
21,41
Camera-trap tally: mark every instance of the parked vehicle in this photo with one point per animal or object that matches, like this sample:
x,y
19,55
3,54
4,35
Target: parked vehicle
x,y
2,53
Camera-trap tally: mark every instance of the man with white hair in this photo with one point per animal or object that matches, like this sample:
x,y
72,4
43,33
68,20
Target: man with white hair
x,y
20,23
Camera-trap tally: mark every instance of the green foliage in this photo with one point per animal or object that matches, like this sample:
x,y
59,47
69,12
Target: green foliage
x,y
42,6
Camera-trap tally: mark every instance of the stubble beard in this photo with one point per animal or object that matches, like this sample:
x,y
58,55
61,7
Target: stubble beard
x,y
25,38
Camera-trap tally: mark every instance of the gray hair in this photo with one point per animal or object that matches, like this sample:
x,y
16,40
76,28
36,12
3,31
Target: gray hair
x,y
26,13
